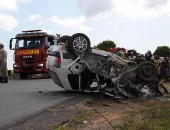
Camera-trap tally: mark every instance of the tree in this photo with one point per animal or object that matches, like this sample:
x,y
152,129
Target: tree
x,y
105,45
162,51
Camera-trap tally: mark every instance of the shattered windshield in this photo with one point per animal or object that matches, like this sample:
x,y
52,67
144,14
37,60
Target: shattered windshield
x,y
29,43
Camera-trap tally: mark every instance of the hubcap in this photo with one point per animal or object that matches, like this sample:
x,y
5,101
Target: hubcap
x,y
80,44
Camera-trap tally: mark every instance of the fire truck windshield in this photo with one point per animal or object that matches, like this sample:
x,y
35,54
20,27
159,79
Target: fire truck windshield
x,y
29,43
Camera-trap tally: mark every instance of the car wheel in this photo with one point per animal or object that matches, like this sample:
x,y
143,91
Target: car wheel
x,y
64,39
79,43
147,71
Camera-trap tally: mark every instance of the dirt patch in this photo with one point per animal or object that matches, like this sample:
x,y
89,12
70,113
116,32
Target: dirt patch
x,y
106,113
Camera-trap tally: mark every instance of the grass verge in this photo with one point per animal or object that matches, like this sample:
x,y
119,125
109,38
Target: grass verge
x,y
152,115
80,118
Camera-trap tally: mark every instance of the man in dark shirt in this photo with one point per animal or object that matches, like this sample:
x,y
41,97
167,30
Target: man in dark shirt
x,y
148,56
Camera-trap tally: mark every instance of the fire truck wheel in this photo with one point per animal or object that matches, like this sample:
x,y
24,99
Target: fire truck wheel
x,y
24,76
64,39
147,71
79,43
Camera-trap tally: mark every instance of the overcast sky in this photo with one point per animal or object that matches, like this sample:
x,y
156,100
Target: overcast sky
x,y
134,24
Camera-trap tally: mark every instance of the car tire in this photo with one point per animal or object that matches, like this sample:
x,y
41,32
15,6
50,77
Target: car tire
x,y
79,43
147,71
64,39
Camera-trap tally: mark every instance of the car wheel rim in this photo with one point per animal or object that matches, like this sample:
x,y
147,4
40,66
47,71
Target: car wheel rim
x,y
80,44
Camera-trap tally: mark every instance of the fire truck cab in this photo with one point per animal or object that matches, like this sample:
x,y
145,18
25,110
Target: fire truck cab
x,y
30,52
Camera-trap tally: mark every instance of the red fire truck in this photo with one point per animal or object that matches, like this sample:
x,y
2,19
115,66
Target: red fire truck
x,y
30,52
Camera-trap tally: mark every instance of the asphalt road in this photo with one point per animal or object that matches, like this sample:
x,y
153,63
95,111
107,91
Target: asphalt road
x,y
20,99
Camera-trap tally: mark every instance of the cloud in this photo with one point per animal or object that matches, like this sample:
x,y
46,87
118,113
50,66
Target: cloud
x,y
67,22
139,9
11,5
155,3
8,5
74,23
124,9
92,8
7,22
34,17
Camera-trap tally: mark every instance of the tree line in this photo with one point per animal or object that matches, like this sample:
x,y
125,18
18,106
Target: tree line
x,y
160,50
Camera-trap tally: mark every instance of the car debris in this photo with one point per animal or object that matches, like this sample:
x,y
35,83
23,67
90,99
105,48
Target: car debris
x,y
74,65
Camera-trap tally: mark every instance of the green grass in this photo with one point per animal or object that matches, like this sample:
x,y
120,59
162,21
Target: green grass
x,y
92,103
63,128
153,115
82,115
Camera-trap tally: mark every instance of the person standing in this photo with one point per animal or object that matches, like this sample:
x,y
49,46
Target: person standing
x,y
167,64
157,63
3,64
163,70
131,56
148,55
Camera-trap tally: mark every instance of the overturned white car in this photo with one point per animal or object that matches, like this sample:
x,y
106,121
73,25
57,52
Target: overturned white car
x,y
74,65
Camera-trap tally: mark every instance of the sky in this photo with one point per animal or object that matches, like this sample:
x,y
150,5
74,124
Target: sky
x,y
133,24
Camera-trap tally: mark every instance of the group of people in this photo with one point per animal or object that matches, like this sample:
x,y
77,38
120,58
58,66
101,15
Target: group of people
x,y
3,65
162,64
